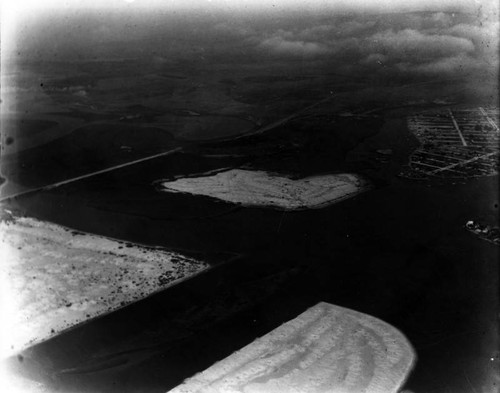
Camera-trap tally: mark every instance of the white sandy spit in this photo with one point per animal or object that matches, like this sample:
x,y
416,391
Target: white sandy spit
x,y
53,278
325,349
263,189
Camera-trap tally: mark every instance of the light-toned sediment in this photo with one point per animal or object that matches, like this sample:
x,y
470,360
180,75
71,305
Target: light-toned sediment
x,y
325,349
54,278
13,383
259,188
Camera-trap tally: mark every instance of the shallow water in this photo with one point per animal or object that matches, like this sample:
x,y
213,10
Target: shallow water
x,y
400,253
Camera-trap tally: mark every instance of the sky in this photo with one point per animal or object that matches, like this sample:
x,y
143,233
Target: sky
x,y
378,36
256,5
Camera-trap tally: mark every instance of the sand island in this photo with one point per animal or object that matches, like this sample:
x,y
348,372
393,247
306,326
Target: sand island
x,y
263,189
55,278
325,349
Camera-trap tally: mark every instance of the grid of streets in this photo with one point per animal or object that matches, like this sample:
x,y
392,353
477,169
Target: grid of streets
x,y
455,143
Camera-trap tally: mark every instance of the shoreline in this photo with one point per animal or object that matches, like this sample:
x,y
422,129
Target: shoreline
x,y
59,278
263,189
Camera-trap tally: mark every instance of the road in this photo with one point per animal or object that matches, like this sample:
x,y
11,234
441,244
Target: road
x,y
95,173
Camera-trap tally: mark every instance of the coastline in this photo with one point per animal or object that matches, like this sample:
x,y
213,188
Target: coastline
x,y
59,278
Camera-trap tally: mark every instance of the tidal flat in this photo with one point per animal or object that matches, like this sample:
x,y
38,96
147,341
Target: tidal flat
x,y
56,278
325,349
261,189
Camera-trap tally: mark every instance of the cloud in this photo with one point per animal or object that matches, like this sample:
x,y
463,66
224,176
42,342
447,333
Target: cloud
x,y
320,40
333,31
456,64
437,42
485,37
413,45
441,19
233,29
316,33
406,47
354,28
282,46
458,49
375,58
434,36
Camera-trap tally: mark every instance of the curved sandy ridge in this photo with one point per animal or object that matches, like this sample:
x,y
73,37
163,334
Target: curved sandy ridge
x,y
260,188
325,349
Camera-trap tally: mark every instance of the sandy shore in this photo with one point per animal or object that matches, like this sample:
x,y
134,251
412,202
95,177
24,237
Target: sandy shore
x,y
54,278
325,349
262,189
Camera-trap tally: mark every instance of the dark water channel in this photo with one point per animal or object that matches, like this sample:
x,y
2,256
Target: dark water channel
x,y
400,253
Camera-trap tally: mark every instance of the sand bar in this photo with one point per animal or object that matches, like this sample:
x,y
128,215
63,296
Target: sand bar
x,y
54,278
325,349
263,189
